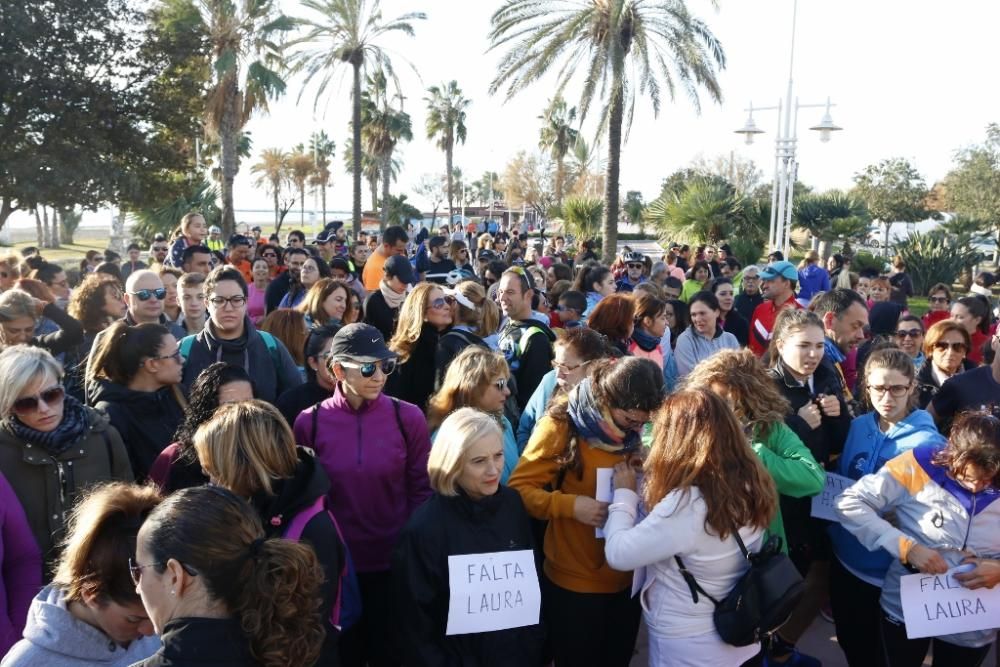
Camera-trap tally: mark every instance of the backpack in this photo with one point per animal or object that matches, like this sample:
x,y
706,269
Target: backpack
x,y
269,342
762,599
346,609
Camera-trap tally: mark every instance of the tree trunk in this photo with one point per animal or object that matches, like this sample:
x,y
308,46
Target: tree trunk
x,y
302,204
7,209
46,230
118,231
386,175
38,230
560,175
824,250
373,188
277,207
228,131
356,147
610,241
54,234
449,147
322,198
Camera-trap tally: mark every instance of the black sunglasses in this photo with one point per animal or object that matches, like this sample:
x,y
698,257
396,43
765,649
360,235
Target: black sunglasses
x,y
29,404
368,368
909,333
147,294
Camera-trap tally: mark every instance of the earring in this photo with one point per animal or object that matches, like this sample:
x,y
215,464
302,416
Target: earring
x,y
173,592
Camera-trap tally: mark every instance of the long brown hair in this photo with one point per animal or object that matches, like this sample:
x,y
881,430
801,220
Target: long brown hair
x,y
411,320
289,326
613,316
312,304
697,442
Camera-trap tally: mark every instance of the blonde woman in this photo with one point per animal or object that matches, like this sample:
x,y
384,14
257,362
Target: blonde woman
x,y
424,316
477,378
470,512
475,319
327,303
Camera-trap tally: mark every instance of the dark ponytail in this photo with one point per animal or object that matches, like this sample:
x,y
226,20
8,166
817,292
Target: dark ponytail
x,y
120,349
272,587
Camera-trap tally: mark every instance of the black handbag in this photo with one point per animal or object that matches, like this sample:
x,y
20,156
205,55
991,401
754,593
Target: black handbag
x,y
762,599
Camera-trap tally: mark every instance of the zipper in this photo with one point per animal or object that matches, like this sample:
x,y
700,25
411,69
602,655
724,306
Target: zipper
x,y
359,439
968,526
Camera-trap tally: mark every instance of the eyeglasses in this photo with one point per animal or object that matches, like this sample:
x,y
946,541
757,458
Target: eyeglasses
x,y
566,368
747,279
176,356
146,294
368,368
237,301
909,333
636,266
941,346
631,423
269,254
501,384
135,570
938,299
442,302
29,404
894,390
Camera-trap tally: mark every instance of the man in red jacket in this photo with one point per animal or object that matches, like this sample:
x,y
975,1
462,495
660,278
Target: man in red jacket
x,y
779,282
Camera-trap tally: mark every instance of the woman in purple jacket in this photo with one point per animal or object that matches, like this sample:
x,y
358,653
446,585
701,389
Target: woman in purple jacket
x,y
20,567
374,449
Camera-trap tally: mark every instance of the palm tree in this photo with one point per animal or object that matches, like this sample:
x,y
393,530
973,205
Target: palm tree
x,y
348,32
322,148
273,173
558,136
371,170
446,121
620,47
383,127
705,211
300,167
247,60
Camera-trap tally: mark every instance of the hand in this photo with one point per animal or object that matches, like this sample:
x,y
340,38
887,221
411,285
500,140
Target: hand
x,y
811,415
926,560
590,512
624,475
829,405
986,574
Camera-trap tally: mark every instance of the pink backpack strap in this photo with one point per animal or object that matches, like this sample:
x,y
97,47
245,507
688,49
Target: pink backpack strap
x,y
298,524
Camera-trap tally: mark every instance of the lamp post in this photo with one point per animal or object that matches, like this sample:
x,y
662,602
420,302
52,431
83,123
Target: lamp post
x,y
785,164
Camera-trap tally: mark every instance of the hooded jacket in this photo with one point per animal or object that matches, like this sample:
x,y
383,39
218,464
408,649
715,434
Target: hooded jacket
x,y
202,642
272,373
813,279
20,567
447,526
146,420
378,475
868,449
692,348
49,487
53,637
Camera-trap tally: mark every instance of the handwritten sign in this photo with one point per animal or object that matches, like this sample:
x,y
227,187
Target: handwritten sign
x,y
935,605
492,591
822,502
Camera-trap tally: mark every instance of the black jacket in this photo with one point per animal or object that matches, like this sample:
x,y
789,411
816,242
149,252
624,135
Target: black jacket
x,y
450,344
297,399
380,315
146,420
291,496
69,335
276,291
202,642
442,527
927,384
738,325
413,380
530,361
744,304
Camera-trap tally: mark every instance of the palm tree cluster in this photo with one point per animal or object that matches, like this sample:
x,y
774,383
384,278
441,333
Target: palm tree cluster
x,y
296,170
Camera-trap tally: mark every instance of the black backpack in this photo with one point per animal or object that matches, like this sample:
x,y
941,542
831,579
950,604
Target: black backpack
x,y
762,599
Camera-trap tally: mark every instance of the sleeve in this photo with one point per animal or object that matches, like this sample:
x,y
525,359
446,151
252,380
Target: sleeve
x,y
534,410
274,293
793,468
287,373
416,594
176,256
121,467
22,568
69,335
418,485
303,428
824,283
628,546
670,377
535,362
860,506
684,355
537,470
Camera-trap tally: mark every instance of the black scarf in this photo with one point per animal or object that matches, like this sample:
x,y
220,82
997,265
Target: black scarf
x,y
72,429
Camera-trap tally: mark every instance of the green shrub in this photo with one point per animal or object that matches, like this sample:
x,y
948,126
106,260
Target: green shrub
x,y
936,258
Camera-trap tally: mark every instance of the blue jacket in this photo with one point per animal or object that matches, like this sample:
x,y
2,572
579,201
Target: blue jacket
x,y
535,409
812,280
868,449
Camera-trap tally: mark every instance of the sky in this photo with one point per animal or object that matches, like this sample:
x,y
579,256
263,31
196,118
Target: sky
x,y
908,78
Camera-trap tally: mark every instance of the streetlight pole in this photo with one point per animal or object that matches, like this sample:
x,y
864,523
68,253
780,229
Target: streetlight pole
x,y
786,166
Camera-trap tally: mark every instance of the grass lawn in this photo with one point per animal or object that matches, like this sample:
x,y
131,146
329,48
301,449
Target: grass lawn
x,y
918,305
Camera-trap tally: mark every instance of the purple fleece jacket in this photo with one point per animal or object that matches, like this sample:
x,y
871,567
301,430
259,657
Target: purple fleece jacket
x,y
378,477
20,567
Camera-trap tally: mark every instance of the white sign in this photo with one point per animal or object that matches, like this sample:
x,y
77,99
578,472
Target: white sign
x,y
493,591
605,492
935,605
822,502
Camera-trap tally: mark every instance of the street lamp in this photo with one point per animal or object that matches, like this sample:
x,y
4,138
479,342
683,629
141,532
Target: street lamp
x,y
785,165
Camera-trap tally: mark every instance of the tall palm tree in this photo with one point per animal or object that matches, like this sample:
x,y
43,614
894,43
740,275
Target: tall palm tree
x,y
620,47
558,136
446,122
322,149
347,32
382,128
301,167
371,170
247,59
272,173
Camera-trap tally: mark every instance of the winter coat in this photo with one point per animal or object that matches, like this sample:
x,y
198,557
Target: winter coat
x,y
447,526
53,637
380,315
202,642
450,345
930,509
927,383
272,372
693,348
20,567
868,449
65,338
48,487
812,280
146,420
378,474
297,399
413,380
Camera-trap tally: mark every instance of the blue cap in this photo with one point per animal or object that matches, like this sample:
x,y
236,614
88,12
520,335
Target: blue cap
x,y
786,270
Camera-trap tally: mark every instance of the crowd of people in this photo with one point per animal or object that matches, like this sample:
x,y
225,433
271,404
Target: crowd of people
x,y
255,452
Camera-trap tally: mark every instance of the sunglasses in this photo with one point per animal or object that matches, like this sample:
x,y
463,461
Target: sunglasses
x,y
938,299
909,333
368,368
29,404
636,266
956,347
147,294
269,254
442,302
159,249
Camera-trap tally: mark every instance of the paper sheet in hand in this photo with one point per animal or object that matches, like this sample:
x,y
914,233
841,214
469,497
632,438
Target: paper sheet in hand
x,y
492,591
822,502
937,604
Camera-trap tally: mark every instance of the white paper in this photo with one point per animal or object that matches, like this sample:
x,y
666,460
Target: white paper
x,y
492,591
935,605
605,492
822,502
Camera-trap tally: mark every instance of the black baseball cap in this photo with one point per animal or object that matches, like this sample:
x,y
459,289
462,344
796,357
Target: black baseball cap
x,y
401,268
239,239
485,254
340,263
322,237
360,342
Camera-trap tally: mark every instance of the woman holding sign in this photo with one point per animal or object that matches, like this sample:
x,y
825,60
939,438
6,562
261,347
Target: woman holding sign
x,y
590,615
482,609
946,504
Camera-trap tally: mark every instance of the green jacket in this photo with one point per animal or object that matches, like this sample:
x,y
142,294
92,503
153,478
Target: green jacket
x,y
690,288
794,470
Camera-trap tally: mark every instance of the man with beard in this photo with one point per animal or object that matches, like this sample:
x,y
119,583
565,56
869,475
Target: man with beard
x,y
278,288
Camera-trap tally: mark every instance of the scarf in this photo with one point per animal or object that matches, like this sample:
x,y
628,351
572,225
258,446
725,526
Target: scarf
x,y
392,298
646,341
594,424
831,350
71,430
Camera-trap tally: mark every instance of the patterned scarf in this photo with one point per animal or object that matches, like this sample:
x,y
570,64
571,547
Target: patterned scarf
x,y
594,423
71,430
646,341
